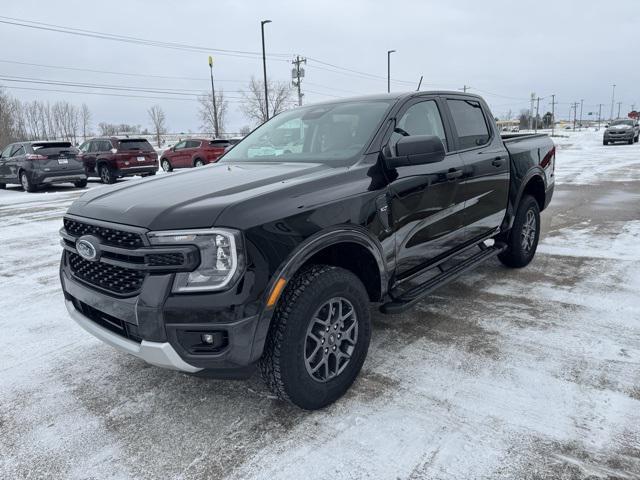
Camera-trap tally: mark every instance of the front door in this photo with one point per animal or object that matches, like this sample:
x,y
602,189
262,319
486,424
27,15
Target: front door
x,y
486,166
426,200
4,164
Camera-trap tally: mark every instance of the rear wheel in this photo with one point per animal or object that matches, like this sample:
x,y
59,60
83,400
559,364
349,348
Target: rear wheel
x,y
166,165
524,235
27,185
319,337
80,183
107,175
3,186
198,163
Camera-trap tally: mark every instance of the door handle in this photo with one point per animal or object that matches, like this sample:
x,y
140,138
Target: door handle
x,y
497,162
453,174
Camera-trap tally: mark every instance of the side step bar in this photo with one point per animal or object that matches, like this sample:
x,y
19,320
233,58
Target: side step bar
x,y
413,296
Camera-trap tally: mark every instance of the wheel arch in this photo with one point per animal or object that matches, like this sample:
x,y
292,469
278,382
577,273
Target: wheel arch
x,y
349,247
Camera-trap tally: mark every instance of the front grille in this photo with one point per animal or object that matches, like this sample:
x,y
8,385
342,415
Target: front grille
x,y
108,236
122,328
164,259
119,280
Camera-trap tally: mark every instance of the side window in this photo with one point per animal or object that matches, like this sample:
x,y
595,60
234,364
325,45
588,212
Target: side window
x,y
106,146
180,145
193,144
470,123
18,151
84,148
420,119
7,151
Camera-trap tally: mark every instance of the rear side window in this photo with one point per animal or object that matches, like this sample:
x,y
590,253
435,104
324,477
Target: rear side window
x,y
193,143
135,144
470,123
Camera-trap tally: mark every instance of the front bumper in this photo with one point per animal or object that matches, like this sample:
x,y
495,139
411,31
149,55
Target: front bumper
x,y
160,354
164,325
619,137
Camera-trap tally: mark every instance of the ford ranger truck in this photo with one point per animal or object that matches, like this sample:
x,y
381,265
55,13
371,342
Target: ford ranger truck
x,y
273,257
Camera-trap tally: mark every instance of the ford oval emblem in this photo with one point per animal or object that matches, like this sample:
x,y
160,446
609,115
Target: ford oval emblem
x,y
86,250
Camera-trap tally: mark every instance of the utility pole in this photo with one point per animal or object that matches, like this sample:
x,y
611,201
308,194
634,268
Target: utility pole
x,y
553,114
537,113
389,52
298,75
533,98
213,96
264,70
619,105
613,96
599,114
575,114
465,88
581,104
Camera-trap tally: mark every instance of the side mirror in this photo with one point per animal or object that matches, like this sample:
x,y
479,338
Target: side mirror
x,y
416,150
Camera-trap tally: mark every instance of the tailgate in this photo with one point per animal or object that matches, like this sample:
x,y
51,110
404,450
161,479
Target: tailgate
x,y
57,157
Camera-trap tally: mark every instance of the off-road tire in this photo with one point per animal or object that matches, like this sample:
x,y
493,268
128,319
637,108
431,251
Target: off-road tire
x,y
106,174
516,255
80,183
283,364
27,185
166,165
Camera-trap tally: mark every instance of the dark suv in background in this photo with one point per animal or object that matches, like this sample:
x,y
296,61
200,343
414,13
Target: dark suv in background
x,y
622,130
32,164
111,158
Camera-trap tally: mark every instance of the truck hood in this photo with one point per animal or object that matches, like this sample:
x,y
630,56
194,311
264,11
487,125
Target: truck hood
x,y
191,199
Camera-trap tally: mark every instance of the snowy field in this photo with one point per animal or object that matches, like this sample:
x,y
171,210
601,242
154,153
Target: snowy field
x,y
509,374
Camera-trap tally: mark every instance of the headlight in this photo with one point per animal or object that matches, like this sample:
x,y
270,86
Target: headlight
x,y
221,257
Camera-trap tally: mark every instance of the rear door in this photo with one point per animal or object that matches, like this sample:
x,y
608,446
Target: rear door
x,y
485,181
426,200
190,151
5,172
16,160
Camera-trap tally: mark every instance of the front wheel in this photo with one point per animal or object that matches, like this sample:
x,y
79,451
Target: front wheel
x,y
524,235
319,337
166,165
604,142
80,183
198,163
27,185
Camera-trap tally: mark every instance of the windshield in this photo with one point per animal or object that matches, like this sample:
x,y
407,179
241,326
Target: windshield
x,y
622,122
331,134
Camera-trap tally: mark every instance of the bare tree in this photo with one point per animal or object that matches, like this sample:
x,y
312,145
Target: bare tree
x,y
85,120
253,105
156,114
244,131
8,128
206,112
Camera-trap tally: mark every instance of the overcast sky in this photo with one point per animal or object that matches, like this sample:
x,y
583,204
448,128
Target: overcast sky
x,y
504,50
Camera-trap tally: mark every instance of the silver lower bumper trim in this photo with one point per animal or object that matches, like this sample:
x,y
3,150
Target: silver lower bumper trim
x,y
155,353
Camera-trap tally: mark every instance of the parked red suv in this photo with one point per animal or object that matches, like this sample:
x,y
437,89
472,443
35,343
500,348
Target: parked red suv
x,y
194,152
110,158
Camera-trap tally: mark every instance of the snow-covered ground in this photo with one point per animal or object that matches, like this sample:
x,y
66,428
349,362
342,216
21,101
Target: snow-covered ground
x,y
517,374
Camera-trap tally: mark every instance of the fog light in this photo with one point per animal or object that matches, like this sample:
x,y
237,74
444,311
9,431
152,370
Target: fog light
x,y
207,338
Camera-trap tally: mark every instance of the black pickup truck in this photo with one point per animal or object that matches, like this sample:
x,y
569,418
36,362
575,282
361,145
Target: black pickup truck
x,y
273,255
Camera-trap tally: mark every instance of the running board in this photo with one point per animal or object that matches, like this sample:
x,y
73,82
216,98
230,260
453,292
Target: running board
x,y
413,296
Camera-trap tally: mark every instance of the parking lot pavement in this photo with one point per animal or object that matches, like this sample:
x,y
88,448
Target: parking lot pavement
x,y
531,373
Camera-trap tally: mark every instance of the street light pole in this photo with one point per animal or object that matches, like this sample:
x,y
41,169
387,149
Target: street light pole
x,y
264,70
213,96
581,104
389,52
613,96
